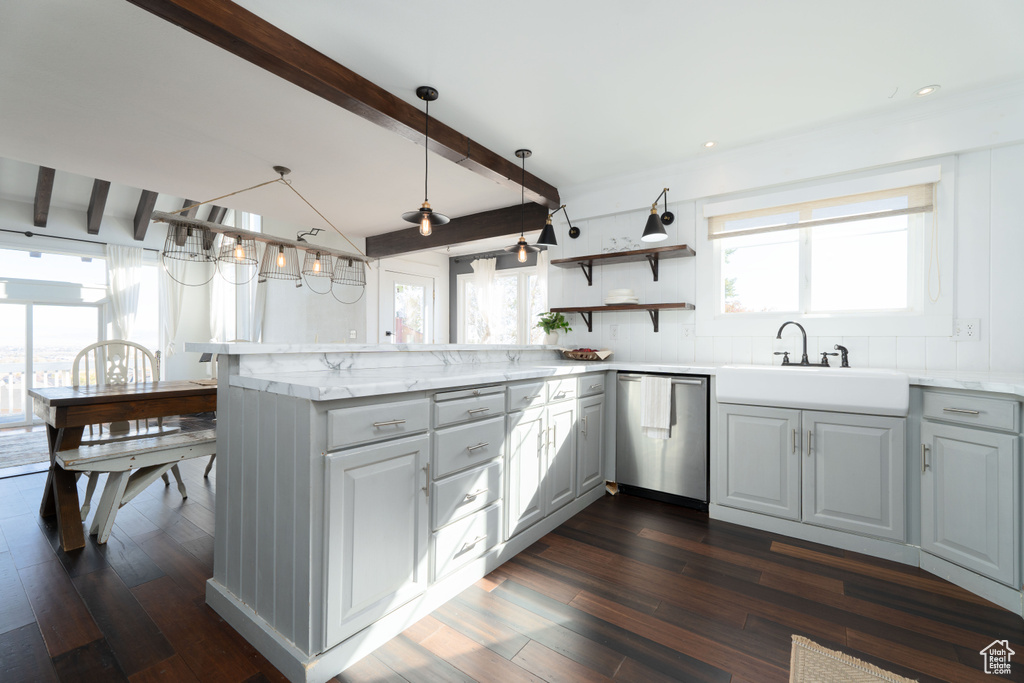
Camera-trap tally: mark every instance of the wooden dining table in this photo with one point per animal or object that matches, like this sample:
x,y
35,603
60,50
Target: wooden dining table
x,y
66,412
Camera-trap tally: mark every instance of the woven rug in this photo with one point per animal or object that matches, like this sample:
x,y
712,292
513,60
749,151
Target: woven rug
x,y
812,663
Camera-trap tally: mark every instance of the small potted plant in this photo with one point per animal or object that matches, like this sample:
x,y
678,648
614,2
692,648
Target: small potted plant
x,y
551,323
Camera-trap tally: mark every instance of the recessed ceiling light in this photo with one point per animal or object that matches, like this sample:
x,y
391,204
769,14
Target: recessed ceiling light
x,y
709,143
926,90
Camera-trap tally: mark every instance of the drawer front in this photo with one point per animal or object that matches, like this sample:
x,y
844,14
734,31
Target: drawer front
x,y
590,385
457,448
363,424
993,413
462,494
466,540
469,393
466,409
523,396
561,389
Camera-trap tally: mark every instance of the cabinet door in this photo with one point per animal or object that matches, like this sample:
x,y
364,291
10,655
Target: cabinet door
x,y
525,469
969,499
560,473
758,459
377,532
590,444
854,472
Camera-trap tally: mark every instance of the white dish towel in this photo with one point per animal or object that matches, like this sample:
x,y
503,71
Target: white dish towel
x,y
656,406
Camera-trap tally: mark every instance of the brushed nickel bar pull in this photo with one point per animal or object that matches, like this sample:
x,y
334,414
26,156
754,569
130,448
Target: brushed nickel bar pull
x,y
560,394
924,457
479,445
596,386
809,433
963,411
427,487
470,544
474,411
388,423
530,398
474,494
794,440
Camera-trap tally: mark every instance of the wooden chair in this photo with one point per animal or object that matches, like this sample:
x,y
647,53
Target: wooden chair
x,y
117,361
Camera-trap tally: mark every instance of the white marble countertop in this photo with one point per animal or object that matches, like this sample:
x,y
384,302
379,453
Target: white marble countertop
x,y
325,385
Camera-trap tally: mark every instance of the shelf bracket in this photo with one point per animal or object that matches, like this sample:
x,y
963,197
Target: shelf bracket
x,y
588,318
654,317
588,269
653,260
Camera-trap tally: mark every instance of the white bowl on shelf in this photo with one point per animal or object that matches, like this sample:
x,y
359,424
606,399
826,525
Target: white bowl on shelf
x,y
615,293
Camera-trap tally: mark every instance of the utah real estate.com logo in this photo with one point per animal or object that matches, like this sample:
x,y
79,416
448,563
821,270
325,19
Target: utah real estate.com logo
x,y
997,657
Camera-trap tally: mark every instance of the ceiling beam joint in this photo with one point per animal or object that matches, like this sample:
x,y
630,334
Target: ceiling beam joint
x,y
97,202
44,191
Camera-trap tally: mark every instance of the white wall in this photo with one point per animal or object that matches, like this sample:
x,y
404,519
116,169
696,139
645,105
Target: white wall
x,y
983,132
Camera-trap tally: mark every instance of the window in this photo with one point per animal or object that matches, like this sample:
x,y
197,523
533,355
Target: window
x,y
506,313
851,254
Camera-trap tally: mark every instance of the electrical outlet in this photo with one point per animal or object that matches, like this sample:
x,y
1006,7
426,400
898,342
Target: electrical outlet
x,y
351,334
966,329
613,331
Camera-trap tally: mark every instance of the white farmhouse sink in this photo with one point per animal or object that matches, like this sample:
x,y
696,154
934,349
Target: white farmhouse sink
x,y
846,390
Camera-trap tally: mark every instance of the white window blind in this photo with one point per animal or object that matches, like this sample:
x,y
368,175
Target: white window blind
x,y
822,212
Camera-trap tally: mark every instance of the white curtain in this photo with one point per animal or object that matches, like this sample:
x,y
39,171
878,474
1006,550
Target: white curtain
x,y
172,295
483,278
541,286
124,279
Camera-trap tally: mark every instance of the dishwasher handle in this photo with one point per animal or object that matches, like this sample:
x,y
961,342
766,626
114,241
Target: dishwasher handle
x,y
636,378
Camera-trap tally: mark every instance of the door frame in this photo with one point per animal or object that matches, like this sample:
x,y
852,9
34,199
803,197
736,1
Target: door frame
x,y
388,278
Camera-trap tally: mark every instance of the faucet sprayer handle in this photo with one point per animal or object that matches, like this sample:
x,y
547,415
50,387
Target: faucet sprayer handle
x,y
785,356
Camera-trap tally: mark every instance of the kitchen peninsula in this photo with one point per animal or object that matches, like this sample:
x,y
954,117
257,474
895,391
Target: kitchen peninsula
x,y
359,487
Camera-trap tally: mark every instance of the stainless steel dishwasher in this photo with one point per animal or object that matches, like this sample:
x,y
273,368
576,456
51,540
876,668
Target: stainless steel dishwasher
x,y
677,466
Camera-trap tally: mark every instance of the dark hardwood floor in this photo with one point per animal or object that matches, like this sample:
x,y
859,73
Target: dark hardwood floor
x,y
628,590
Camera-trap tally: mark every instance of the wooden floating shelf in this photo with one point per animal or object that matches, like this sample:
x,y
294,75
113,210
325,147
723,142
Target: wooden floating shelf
x,y
652,256
587,312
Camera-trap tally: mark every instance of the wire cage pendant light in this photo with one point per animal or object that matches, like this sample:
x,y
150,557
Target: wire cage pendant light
x,y
521,249
318,265
187,243
280,262
238,255
426,217
349,272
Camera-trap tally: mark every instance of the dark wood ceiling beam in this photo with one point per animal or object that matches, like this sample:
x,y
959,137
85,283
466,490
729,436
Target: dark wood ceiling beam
x,y
246,35
147,202
191,213
44,191
97,202
477,226
217,214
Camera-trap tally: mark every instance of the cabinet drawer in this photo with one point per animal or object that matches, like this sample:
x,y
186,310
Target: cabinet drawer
x,y
466,409
466,540
468,393
561,389
523,396
457,448
589,385
993,413
462,494
362,424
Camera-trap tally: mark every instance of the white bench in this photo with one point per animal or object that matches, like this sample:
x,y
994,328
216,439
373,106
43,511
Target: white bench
x,y
132,466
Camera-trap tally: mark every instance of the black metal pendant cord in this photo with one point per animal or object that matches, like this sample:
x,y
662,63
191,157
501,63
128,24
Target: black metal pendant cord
x,y
522,200
426,152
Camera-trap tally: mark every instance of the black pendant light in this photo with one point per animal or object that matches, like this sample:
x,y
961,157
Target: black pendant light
x,y
654,231
426,217
547,235
521,248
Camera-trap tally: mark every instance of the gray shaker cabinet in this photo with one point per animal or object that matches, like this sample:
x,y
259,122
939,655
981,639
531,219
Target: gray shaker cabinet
x,y
854,472
759,463
969,498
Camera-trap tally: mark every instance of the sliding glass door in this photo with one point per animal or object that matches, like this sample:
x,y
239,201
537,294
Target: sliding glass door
x,y
38,344
13,364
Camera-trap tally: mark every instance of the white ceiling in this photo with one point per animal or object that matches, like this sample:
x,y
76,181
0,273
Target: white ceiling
x,y
596,88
